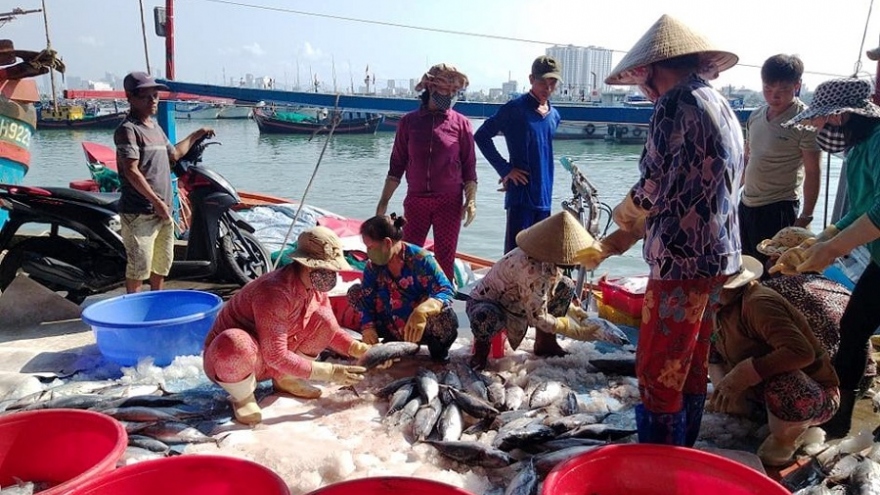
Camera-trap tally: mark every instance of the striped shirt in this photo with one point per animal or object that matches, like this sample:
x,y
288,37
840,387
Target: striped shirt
x,y
152,149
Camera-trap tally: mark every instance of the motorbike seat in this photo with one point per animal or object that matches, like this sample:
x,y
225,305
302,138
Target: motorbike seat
x,y
99,199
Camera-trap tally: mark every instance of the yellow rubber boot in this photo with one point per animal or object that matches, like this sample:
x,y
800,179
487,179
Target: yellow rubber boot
x,y
244,404
296,387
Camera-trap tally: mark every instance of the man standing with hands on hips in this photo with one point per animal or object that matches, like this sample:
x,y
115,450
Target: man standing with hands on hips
x,y
528,124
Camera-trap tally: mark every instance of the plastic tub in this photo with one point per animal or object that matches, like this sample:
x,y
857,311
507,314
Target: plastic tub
x,y
58,447
646,469
616,294
187,475
160,324
390,485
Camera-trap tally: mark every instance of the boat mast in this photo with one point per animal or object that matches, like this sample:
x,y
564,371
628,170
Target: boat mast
x,y
169,39
144,35
49,47
10,16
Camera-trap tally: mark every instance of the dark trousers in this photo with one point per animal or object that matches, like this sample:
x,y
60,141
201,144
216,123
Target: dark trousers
x,y
860,320
763,222
518,219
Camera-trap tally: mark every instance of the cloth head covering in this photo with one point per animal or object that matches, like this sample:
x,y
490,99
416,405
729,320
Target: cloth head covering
x,y
320,247
140,80
555,239
751,269
838,96
7,52
785,239
443,76
547,67
669,38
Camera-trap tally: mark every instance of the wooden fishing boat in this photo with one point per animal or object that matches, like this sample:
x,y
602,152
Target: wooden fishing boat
x,y
289,122
71,116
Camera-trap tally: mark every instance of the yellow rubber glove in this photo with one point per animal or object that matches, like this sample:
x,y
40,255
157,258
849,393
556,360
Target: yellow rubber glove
x,y
469,210
787,263
576,312
369,335
572,328
415,325
337,373
358,348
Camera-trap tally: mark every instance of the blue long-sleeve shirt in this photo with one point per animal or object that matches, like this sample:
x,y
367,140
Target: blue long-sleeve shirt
x,y
529,138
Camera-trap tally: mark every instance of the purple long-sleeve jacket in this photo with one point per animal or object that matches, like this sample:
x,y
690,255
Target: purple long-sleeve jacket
x,y
436,152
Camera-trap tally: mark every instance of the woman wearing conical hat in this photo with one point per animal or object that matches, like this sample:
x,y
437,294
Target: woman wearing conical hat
x,y
527,288
685,206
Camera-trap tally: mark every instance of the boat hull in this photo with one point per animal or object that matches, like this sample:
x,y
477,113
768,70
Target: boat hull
x,y
271,125
15,142
109,121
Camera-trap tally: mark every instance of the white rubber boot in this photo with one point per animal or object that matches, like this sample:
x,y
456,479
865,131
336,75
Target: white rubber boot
x,y
244,404
296,387
784,439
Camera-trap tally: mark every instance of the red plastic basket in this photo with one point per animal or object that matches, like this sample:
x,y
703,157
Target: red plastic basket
x,y
645,469
616,296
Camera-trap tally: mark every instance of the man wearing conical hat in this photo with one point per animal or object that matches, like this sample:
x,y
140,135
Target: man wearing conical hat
x,y
687,200
527,288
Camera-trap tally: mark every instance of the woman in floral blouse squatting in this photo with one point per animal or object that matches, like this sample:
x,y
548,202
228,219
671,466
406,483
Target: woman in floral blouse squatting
x,y
687,197
405,295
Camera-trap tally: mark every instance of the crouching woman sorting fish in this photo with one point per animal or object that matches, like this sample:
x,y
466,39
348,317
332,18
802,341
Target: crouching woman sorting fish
x,y
526,287
766,351
276,325
405,295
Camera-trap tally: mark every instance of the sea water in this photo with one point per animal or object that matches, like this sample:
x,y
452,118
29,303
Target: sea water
x,y
352,172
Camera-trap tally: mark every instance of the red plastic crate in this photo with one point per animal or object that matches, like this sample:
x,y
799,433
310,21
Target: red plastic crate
x,y
615,294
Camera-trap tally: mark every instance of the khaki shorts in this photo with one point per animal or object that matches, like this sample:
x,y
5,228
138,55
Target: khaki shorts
x,y
149,245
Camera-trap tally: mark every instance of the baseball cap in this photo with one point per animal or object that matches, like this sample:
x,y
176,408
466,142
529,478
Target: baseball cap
x,y
140,80
544,67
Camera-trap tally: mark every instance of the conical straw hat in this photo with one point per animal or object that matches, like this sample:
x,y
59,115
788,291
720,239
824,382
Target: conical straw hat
x,y
555,239
668,38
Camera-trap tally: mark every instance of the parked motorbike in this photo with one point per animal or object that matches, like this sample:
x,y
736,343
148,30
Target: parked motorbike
x,y
82,253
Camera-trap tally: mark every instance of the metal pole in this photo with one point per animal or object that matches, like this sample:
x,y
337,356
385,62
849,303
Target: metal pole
x,y
144,34
169,39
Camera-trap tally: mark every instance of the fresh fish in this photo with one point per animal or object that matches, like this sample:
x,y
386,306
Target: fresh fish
x,y
451,424
130,390
148,443
514,396
19,488
497,394
144,401
426,419
473,453
625,420
474,406
547,393
408,413
545,462
525,482
571,422
144,414
70,402
381,353
843,468
481,426
450,379
569,404
136,454
134,426
400,397
516,434
865,478
598,432
821,489
607,331
472,382
567,443
625,366
392,387
173,433
428,385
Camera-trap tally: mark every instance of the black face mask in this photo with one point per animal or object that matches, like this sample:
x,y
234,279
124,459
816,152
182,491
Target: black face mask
x,y
831,139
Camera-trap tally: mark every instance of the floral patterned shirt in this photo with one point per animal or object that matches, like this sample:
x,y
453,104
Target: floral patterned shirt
x,y
691,168
393,299
521,286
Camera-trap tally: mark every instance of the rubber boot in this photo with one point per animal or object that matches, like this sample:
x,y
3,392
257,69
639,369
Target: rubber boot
x,y
784,439
480,355
660,428
839,424
244,404
694,404
296,387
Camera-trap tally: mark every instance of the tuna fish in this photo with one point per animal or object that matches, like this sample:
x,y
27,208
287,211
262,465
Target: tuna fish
x,y
451,424
473,383
497,394
865,479
426,419
545,462
148,443
143,414
522,432
514,396
474,406
392,387
408,413
450,379
547,393
400,398
473,453
382,353
427,383
525,482
174,433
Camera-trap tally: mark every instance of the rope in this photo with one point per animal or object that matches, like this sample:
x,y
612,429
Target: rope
x,y
858,66
309,185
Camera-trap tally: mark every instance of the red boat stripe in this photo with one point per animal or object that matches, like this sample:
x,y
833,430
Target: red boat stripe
x,y
15,153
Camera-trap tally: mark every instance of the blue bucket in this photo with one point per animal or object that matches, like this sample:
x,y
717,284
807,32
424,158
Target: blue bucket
x,y
159,324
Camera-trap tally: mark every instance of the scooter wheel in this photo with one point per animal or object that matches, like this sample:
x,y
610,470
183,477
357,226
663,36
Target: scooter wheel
x,y
243,258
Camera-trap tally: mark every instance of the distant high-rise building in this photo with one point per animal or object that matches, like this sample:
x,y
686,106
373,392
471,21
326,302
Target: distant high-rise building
x,y
508,88
584,69
391,84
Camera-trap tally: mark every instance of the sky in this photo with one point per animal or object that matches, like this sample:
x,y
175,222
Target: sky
x,y
489,40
